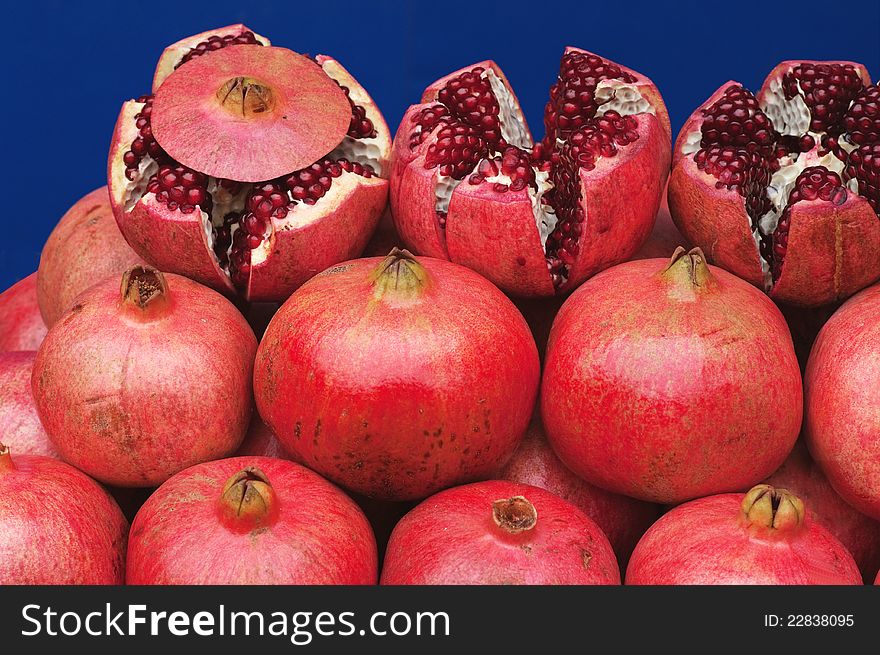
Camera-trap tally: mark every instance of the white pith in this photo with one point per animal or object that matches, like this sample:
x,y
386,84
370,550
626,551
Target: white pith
x,y
624,98
513,128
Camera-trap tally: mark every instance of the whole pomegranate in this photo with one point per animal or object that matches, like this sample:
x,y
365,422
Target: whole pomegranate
x,y
842,399
136,383
761,537
469,185
84,248
859,533
622,519
58,525
667,381
21,326
250,168
20,425
250,520
398,377
782,189
498,532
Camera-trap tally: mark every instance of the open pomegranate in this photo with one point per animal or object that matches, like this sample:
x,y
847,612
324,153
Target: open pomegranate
x,y
399,376
498,533
783,189
20,426
250,168
651,378
21,325
468,184
762,537
250,520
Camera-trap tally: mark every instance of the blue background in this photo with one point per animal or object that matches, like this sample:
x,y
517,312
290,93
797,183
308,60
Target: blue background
x,y
71,65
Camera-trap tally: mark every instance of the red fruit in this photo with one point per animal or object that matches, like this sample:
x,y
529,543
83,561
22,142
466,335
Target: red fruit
x,y
842,400
250,520
251,168
21,326
668,382
260,442
135,384
398,377
19,423
469,185
622,519
783,189
761,537
84,248
664,238
860,534
59,526
498,532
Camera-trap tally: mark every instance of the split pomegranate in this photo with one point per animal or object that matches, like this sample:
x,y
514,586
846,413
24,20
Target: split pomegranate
x,y
59,526
398,377
667,381
762,537
250,520
622,519
20,425
21,326
842,396
250,168
84,248
136,383
498,533
783,189
468,184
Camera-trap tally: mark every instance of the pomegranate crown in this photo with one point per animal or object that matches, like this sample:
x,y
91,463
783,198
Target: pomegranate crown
x,y
514,515
768,510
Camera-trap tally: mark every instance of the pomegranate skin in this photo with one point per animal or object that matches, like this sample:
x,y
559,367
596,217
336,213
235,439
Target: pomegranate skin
x,y
312,533
622,519
709,541
857,532
84,248
665,236
131,393
670,381
20,425
398,377
479,534
842,398
21,326
59,526
260,442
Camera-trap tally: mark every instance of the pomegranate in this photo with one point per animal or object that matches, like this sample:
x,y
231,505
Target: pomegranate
x,y
398,377
250,520
20,425
664,238
469,185
59,526
842,400
622,519
860,534
384,238
260,442
760,537
498,532
782,189
21,326
84,248
135,384
250,168
670,381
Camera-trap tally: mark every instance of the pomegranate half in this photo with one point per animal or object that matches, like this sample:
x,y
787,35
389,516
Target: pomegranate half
x,y
20,425
782,189
250,168
468,183
21,326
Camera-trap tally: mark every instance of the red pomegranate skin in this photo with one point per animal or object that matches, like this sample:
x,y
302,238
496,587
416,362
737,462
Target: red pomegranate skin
x,y
58,525
21,326
708,542
313,533
20,426
859,533
260,442
842,398
622,519
665,236
670,381
398,377
452,539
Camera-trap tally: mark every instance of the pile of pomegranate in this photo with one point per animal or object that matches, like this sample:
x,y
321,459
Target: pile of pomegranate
x,y
277,348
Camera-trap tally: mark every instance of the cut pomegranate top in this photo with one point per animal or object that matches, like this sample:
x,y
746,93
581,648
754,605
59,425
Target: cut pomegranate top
x,y
249,113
